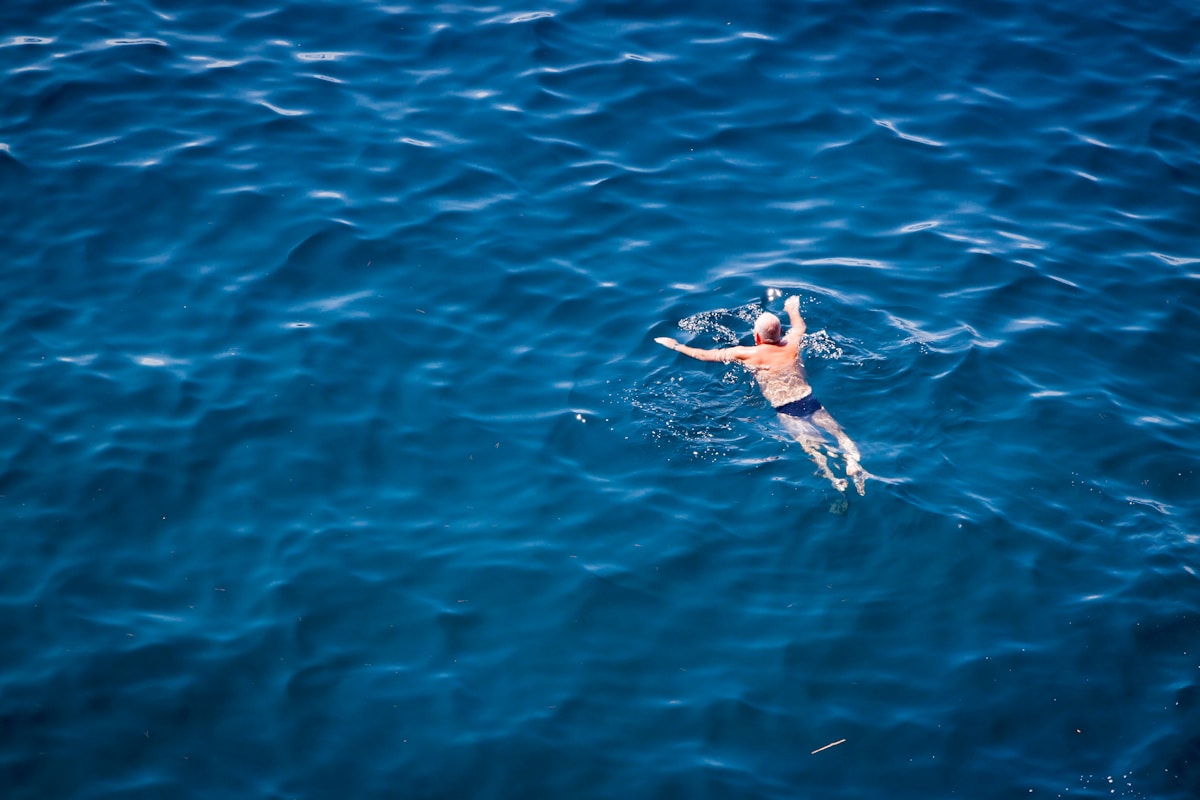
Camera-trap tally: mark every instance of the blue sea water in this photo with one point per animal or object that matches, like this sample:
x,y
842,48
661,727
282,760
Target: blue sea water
x,y
339,460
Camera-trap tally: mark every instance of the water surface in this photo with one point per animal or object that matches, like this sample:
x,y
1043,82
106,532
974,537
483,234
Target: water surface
x,y
339,458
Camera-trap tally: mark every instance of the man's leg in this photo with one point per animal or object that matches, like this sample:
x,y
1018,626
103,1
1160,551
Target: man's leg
x,y
802,433
850,452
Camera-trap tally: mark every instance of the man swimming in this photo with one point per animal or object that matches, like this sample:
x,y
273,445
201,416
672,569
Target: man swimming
x,y
775,361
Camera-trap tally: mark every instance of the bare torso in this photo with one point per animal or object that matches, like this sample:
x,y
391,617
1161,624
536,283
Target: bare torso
x,y
777,369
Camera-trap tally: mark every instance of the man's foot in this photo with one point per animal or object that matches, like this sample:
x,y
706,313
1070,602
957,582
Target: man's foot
x,y
859,475
838,483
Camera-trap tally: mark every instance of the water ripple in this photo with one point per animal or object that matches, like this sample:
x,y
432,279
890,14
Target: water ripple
x,y
332,396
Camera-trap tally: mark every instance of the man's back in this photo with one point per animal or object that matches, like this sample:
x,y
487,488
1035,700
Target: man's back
x,y
777,369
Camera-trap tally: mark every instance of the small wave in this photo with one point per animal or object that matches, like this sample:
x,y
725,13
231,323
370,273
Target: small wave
x,y
322,56
518,18
283,112
136,42
1176,261
716,323
846,262
26,40
891,126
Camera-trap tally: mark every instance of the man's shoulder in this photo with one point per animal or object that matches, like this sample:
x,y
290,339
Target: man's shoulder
x,y
758,353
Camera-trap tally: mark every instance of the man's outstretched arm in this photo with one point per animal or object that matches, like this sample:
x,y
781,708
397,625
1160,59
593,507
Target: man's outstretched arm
x,y
724,355
792,307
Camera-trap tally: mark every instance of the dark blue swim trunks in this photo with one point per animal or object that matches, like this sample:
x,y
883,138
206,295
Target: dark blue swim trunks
x,y
804,407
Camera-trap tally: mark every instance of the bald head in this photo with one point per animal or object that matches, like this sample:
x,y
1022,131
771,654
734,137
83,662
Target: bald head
x,y
768,329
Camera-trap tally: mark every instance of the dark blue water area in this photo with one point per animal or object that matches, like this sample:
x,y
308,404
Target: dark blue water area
x,y
338,459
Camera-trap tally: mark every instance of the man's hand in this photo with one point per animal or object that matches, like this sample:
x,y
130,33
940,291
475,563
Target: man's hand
x,y
792,307
668,342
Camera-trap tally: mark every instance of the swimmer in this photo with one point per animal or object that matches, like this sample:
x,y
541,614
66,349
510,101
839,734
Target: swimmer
x,y
775,361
